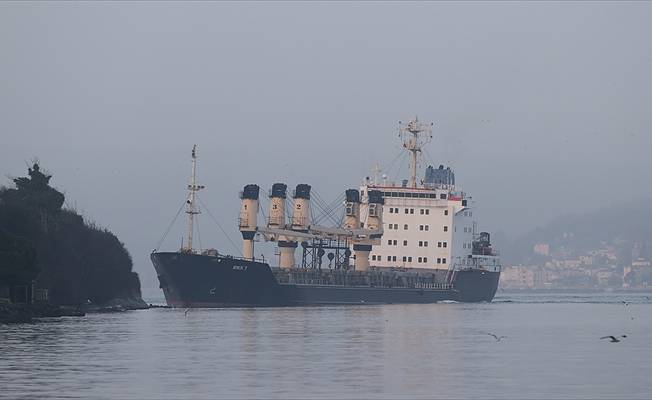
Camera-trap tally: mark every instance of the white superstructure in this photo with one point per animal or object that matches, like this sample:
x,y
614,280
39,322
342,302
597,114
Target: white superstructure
x,y
428,225
418,224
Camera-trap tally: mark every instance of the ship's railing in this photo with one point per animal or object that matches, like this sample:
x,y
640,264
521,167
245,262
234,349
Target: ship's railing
x,y
476,261
276,220
216,254
360,279
299,221
486,252
260,260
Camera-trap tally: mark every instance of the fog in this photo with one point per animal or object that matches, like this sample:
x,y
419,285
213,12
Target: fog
x,y
541,108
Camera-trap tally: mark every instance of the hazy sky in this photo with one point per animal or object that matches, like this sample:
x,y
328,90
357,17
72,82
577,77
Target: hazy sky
x,y
541,108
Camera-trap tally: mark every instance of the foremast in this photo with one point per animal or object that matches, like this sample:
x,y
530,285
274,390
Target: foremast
x,y
191,206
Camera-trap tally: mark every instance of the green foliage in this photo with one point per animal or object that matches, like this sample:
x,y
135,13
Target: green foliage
x,y
78,261
17,260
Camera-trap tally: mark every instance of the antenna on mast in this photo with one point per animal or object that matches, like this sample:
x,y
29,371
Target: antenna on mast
x,y
415,135
191,208
376,170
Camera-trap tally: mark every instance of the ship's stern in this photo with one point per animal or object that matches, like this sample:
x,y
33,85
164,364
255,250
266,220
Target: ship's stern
x,y
476,285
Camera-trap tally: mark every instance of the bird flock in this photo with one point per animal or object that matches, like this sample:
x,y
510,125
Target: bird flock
x,y
612,338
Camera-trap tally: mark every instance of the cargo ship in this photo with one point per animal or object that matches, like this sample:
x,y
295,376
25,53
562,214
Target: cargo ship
x,y
411,242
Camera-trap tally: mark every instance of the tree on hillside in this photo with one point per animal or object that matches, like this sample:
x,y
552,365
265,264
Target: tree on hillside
x,y
17,260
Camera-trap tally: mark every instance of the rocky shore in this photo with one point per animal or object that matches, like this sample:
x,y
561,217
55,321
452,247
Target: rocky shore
x,y
22,313
16,313
117,305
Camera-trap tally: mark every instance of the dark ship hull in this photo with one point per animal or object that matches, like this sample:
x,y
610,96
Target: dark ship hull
x,y
192,280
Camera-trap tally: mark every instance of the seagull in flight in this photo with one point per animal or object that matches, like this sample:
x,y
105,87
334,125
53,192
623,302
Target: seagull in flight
x,y
498,338
624,302
613,339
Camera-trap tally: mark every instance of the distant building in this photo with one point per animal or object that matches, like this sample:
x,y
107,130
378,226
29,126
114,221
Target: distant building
x,y
627,271
604,276
518,277
586,260
541,278
542,249
641,263
572,263
639,251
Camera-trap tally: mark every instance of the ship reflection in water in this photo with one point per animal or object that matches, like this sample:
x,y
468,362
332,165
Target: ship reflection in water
x,y
395,351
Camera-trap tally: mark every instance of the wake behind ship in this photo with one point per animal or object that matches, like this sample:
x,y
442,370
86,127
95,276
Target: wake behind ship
x,y
414,242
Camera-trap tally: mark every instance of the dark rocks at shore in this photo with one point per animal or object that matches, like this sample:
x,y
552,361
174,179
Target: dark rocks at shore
x,y
17,313
117,305
158,306
22,313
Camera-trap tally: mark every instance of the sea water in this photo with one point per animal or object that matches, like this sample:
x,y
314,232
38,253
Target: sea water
x,y
551,349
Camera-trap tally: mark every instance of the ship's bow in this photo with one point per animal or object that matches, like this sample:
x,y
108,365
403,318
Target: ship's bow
x,y
192,280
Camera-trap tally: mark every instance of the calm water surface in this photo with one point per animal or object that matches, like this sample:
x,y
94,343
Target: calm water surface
x,y
552,350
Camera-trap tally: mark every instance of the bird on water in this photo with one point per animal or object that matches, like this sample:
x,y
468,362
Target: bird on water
x,y
612,338
498,338
185,313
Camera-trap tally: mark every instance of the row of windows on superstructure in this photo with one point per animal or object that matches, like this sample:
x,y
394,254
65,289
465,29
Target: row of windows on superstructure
x,y
378,257
421,227
442,196
422,211
422,243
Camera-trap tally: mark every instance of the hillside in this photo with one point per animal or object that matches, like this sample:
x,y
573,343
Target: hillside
x,y
622,227
74,260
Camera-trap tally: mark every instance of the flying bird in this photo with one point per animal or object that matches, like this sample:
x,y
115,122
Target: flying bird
x,y
612,338
185,313
498,338
624,302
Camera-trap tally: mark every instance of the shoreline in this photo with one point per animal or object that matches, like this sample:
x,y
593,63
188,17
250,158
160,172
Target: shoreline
x,y
30,313
572,290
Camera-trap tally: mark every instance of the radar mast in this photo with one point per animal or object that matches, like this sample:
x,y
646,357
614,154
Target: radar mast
x,y
415,134
376,170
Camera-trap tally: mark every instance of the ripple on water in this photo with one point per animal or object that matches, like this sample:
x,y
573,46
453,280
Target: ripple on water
x,y
552,350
